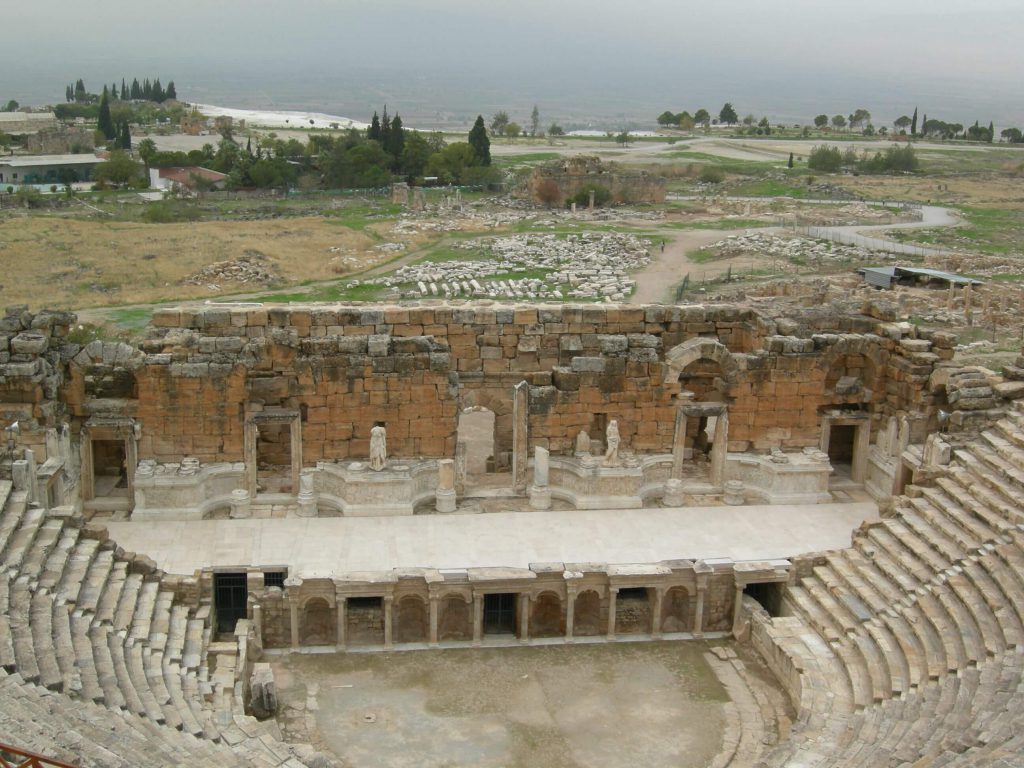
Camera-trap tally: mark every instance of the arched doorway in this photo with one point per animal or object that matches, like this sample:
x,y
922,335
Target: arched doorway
x,y
546,617
455,621
587,614
411,623
675,610
318,623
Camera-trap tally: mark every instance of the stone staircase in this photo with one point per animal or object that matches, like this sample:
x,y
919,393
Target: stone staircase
x,y
909,645
101,663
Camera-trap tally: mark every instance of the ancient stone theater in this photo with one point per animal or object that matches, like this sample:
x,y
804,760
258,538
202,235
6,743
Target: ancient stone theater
x,y
831,493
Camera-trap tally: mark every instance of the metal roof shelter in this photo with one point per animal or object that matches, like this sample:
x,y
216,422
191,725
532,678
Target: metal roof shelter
x,y
886,277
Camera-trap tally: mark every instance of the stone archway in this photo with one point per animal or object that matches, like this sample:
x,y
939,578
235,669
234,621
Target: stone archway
x,y
456,619
675,611
587,614
411,620
546,616
684,355
318,623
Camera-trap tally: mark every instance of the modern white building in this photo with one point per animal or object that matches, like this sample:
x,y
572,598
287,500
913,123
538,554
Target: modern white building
x,y
47,169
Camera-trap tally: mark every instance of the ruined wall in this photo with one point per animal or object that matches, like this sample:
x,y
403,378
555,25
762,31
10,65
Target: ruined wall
x,y
343,369
555,183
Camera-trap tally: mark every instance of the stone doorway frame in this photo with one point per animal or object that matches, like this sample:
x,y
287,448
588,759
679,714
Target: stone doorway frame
x,y
114,429
861,439
253,419
688,409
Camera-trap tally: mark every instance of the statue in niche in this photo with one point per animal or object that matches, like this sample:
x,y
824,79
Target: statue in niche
x,y
583,443
378,448
612,440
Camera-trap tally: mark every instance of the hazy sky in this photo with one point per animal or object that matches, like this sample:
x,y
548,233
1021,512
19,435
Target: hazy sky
x,y
578,59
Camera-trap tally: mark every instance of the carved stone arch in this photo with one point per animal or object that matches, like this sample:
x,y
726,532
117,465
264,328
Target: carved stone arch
x,y
690,351
547,617
319,621
330,597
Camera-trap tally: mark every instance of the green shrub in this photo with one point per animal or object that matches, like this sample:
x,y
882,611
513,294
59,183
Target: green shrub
x,y
712,175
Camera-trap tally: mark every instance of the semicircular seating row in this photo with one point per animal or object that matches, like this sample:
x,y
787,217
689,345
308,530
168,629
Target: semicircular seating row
x,y
101,664
909,645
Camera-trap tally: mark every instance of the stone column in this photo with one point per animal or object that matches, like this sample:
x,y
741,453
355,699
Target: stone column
x,y
295,435
720,448
293,607
445,500
659,595
433,619
737,604
307,499
540,494
698,618
673,496
524,617
861,448
388,601
679,443
341,638
241,504
478,618
570,614
612,594
520,435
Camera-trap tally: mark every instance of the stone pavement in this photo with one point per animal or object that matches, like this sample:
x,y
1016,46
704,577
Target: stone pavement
x,y
325,547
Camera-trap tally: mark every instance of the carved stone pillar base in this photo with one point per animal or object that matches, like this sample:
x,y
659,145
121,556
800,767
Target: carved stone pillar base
x,y
540,498
734,493
445,500
673,493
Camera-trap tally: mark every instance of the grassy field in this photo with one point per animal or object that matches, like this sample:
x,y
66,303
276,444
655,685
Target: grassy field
x,y
995,231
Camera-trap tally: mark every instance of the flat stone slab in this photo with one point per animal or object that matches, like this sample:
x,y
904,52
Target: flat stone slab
x,y
333,546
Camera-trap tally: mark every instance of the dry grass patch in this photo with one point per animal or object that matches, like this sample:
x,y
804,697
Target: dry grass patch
x,y
70,264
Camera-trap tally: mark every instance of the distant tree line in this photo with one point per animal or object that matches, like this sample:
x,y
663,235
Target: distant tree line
x,y
147,90
699,119
356,159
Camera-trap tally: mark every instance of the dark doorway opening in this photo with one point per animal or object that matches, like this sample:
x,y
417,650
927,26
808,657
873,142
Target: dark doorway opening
x,y
229,600
632,611
109,468
365,619
840,443
500,614
769,596
274,457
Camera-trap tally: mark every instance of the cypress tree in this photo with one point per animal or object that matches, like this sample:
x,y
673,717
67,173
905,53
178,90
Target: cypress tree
x,y
158,91
479,142
147,90
991,131
113,90
171,93
790,163
80,93
397,143
69,94
385,129
924,125
124,139
124,90
136,90
104,123
913,123
373,133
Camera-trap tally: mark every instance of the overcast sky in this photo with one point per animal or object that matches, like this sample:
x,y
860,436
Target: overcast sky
x,y
958,59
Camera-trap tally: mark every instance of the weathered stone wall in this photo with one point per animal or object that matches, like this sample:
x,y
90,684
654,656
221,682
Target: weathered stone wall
x,y
414,369
555,183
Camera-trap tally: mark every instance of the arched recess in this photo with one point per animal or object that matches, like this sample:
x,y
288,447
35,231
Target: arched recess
x,y
683,356
675,610
587,614
319,625
476,433
455,620
546,617
411,620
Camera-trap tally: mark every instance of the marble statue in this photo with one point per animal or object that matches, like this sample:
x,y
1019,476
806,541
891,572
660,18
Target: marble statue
x,y
583,443
378,448
612,439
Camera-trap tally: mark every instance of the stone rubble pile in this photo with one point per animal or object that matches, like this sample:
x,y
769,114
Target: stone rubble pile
x,y
585,266
799,250
245,269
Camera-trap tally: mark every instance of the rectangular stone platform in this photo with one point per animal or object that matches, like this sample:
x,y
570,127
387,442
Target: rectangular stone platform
x,y
326,547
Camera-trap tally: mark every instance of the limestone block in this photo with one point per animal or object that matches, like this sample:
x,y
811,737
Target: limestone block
x,y
378,345
588,364
262,692
29,343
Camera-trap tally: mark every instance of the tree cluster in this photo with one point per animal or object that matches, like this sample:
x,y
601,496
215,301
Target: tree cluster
x,y
502,126
832,159
699,119
147,90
